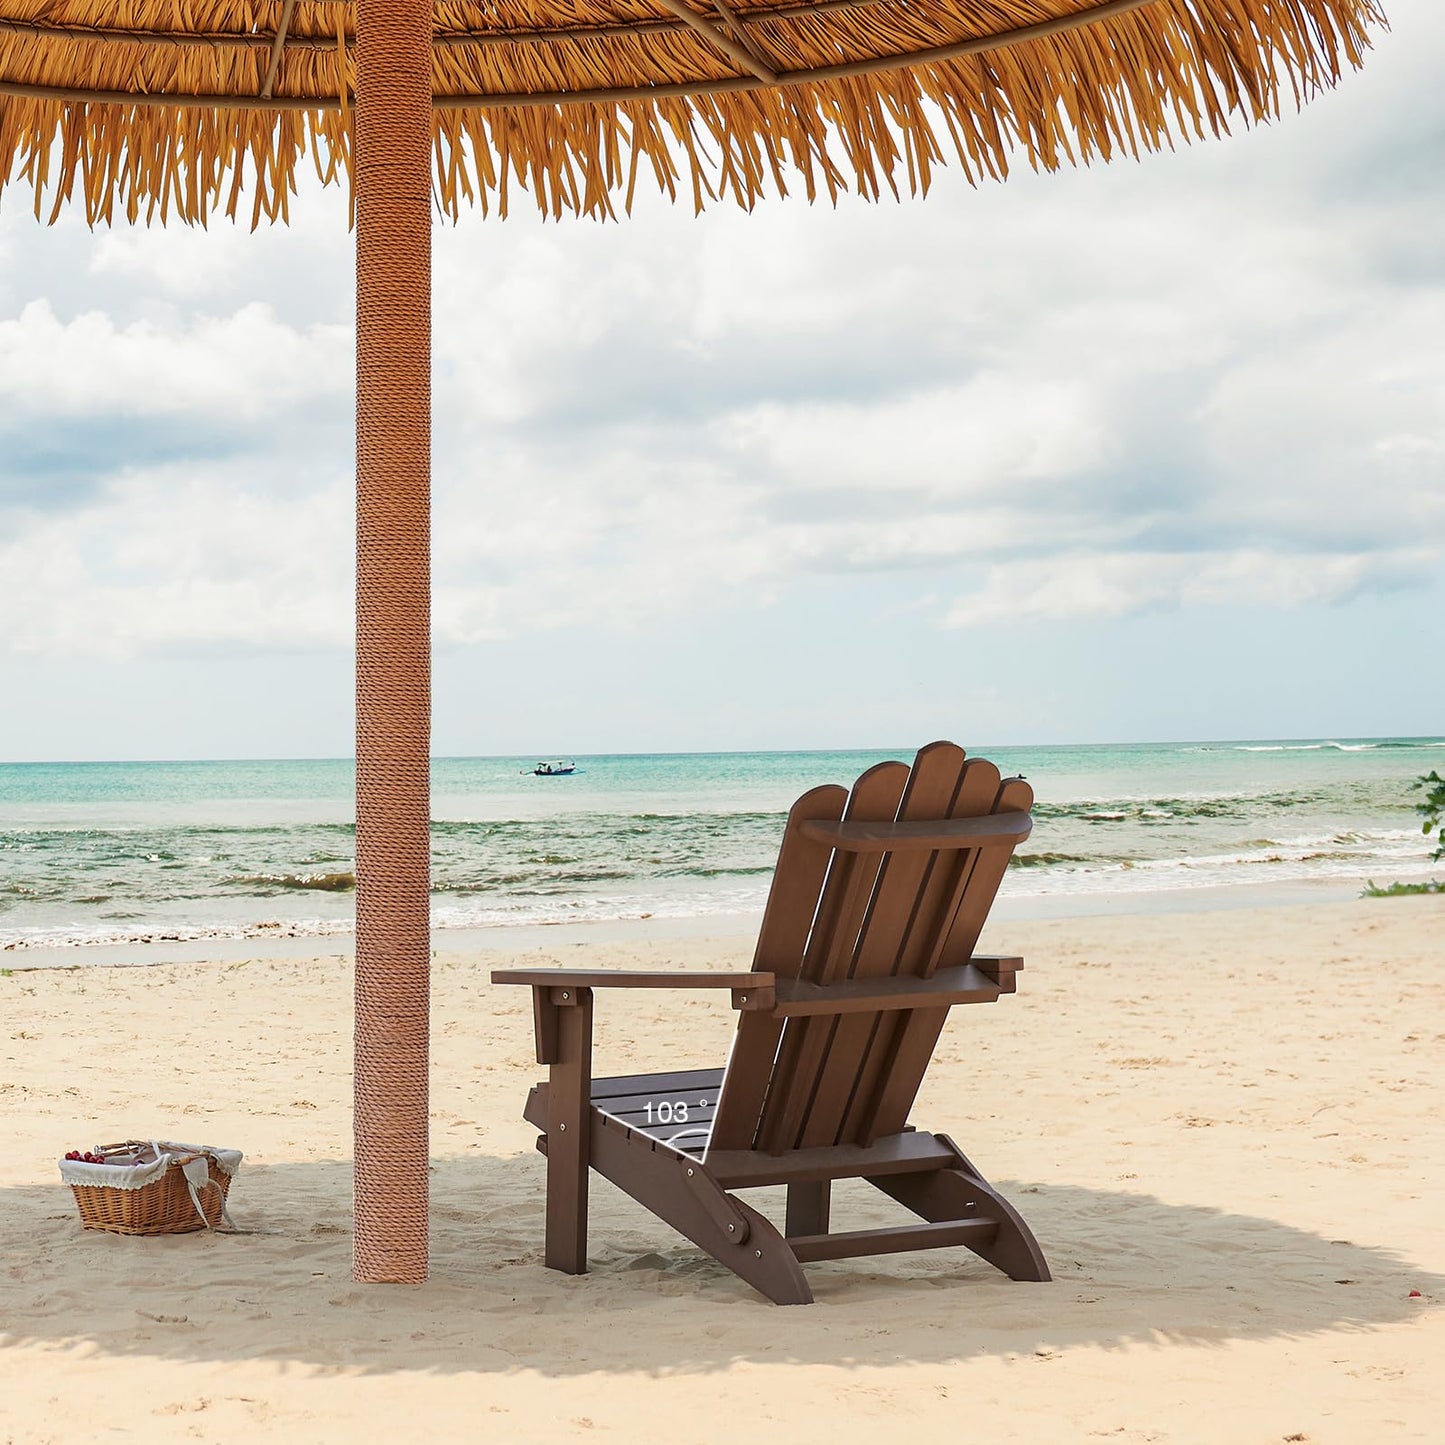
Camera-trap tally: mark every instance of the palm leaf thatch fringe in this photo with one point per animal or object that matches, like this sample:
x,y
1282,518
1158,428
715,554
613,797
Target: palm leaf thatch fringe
x,y
154,110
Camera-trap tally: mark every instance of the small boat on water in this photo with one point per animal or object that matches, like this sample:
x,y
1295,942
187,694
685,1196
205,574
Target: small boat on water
x,y
554,768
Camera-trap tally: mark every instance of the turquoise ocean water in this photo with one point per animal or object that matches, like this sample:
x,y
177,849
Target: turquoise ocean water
x,y
132,852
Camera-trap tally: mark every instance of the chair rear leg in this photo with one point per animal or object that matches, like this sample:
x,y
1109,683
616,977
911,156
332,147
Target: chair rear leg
x,y
808,1208
948,1194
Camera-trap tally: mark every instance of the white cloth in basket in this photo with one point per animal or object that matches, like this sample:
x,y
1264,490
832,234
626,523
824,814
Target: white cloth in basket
x,y
153,1160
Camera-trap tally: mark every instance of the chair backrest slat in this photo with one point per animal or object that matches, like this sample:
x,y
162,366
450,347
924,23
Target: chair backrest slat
x,y
977,796
891,928
838,915
845,903
914,1035
787,922
966,788
852,877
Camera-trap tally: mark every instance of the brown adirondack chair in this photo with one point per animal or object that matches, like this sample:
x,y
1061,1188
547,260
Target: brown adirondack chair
x,y
867,942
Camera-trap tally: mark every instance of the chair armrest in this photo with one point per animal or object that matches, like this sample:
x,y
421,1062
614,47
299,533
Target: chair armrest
x,y
1002,969
630,978
566,988
750,991
949,986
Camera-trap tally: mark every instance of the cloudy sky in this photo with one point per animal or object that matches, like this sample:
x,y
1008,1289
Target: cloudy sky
x,y
1150,451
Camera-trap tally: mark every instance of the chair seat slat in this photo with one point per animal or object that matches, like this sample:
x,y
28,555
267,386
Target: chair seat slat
x,y
908,1153
709,1080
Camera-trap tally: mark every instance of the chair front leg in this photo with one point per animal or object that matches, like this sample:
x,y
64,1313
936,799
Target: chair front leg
x,y
564,1034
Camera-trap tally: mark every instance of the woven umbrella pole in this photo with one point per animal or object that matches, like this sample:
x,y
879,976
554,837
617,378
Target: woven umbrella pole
x,y
393,126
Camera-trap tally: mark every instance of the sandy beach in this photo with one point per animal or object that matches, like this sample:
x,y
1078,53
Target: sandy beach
x,y
1224,1128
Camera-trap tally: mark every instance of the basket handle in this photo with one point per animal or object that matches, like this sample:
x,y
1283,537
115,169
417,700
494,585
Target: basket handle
x,y
126,1146
183,1163
196,1200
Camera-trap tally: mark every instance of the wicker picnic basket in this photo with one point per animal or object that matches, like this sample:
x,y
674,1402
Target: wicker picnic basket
x,y
152,1187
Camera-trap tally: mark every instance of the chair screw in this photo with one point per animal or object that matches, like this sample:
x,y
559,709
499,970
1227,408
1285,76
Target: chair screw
x,y
757,1254
565,994
732,1229
562,1127
689,1173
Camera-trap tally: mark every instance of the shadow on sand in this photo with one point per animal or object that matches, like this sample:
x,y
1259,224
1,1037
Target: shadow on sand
x,y
1129,1270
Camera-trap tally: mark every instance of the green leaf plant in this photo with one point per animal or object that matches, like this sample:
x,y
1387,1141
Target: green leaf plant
x,y
1432,810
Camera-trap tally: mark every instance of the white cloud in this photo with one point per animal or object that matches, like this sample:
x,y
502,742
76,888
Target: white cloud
x,y
167,563
961,443
1112,585
1211,377
236,368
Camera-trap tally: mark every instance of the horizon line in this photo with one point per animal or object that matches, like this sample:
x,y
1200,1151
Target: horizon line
x,y
1319,739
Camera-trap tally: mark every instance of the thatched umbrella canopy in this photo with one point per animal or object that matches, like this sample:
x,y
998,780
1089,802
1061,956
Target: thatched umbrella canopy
x,y
177,109
147,108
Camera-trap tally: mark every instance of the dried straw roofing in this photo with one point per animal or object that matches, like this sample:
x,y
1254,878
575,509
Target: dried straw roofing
x,y
157,108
